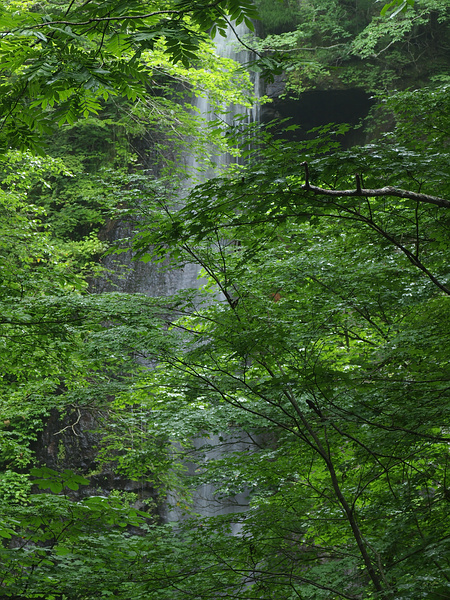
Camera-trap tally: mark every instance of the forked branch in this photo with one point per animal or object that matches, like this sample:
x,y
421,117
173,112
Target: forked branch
x,y
384,191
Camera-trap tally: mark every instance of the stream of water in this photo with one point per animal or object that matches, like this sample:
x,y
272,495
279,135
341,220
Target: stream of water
x,y
205,502
146,278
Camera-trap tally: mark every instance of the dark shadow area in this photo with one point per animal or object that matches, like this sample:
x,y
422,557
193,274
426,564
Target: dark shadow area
x,y
317,108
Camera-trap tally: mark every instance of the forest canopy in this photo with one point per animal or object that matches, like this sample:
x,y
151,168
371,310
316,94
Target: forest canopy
x,y
303,380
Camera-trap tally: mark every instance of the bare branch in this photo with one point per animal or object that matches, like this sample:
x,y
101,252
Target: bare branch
x,y
71,426
384,191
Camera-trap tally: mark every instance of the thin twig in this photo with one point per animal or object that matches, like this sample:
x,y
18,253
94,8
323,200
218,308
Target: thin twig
x,y
71,426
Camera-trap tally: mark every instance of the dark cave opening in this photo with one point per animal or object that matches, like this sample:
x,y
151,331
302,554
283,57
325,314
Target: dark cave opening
x,y
320,107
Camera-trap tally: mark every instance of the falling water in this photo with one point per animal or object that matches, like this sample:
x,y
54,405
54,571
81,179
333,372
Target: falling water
x,y
146,278
204,501
149,279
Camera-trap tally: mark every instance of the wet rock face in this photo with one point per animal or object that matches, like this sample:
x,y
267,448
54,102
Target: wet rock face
x,y
68,442
71,442
275,88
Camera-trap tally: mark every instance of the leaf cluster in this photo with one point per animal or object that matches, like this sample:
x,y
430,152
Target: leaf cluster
x,y
64,61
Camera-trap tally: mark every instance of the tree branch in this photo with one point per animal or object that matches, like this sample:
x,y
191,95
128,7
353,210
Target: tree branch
x,y
384,191
121,18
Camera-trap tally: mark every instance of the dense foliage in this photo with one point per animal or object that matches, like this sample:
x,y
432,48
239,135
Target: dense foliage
x,y
70,57
337,43
328,349
305,378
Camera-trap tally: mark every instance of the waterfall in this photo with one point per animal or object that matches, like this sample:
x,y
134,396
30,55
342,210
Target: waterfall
x,y
204,501
137,277
149,279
